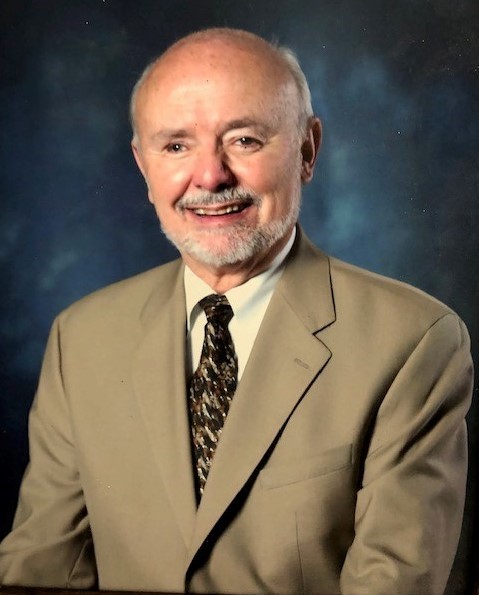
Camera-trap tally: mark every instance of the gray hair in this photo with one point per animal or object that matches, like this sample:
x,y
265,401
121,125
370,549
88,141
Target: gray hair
x,y
135,91
291,62
286,56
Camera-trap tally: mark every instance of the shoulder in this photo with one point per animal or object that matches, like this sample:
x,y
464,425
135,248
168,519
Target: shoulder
x,y
127,299
392,311
372,291
364,303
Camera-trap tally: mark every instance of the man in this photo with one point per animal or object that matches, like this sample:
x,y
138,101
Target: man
x,y
316,442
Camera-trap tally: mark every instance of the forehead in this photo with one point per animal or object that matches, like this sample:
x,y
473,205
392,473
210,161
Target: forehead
x,y
222,76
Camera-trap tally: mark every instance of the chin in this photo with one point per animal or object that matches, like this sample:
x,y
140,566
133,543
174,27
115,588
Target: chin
x,y
239,243
221,251
230,247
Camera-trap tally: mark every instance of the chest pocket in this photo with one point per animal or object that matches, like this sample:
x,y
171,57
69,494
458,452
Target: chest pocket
x,y
295,471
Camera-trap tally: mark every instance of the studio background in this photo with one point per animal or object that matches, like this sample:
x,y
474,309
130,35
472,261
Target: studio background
x,y
396,189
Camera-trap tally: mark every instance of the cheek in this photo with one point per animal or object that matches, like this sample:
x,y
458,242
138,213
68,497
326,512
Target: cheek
x,y
260,175
179,177
280,181
277,171
168,182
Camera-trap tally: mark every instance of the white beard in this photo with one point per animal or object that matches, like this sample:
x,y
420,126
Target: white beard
x,y
239,242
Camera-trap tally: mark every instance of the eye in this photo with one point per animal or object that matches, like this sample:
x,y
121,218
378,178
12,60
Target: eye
x,y
175,147
248,142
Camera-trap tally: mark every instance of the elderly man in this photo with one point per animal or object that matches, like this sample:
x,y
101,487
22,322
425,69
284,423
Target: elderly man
x,y
255,417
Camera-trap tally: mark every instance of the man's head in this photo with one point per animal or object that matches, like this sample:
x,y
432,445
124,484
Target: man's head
x,y
224,136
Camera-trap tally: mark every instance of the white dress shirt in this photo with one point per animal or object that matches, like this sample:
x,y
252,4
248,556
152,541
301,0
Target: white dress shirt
x,y
248,301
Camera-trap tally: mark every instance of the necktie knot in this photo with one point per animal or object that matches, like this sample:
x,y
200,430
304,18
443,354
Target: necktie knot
x,y
217,308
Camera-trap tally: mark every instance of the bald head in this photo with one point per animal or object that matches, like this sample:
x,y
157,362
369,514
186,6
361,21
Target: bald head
x,y
237,48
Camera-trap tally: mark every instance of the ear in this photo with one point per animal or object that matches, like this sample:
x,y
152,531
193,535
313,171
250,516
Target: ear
x,y
139,162
310,149
137,155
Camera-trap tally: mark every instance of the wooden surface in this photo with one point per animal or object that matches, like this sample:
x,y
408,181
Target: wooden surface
x,y
45,591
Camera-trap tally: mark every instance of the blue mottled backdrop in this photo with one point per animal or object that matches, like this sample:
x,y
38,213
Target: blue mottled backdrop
x,y
396,190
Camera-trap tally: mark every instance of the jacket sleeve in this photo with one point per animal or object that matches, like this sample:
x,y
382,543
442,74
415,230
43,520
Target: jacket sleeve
x,y
410,503
50,543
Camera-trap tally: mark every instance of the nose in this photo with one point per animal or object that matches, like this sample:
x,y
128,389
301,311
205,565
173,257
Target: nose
x,y
212,172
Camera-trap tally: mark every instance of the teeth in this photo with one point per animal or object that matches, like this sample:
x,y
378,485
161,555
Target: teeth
x,y
225,211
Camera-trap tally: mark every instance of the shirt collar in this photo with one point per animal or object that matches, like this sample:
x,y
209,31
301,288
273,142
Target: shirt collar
x,y
240,297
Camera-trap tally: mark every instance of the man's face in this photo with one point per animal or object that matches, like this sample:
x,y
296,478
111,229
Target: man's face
x,y
219,148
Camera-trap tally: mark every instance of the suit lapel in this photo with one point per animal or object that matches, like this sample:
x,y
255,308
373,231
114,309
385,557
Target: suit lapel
x,y
159,383
286,358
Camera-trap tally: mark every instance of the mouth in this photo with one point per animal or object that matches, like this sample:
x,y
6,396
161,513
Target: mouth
x,y
219,210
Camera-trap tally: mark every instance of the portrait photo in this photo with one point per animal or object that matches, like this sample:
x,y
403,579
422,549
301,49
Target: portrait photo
x,y
324,155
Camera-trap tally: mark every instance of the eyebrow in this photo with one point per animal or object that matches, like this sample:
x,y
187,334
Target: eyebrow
x,y
171,133
244,123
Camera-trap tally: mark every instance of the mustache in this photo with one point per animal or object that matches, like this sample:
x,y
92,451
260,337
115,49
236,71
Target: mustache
x,y
228,195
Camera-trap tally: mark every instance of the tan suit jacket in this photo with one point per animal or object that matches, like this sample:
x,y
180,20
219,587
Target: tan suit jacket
x,y
341,467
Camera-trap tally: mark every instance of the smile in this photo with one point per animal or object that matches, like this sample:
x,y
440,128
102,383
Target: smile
x,y
216,212
219,210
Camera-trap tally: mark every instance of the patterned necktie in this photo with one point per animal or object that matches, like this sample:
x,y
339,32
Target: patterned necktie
x,y
213,384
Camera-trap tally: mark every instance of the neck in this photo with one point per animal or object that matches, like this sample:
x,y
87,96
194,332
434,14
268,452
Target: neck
x,y
222,279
